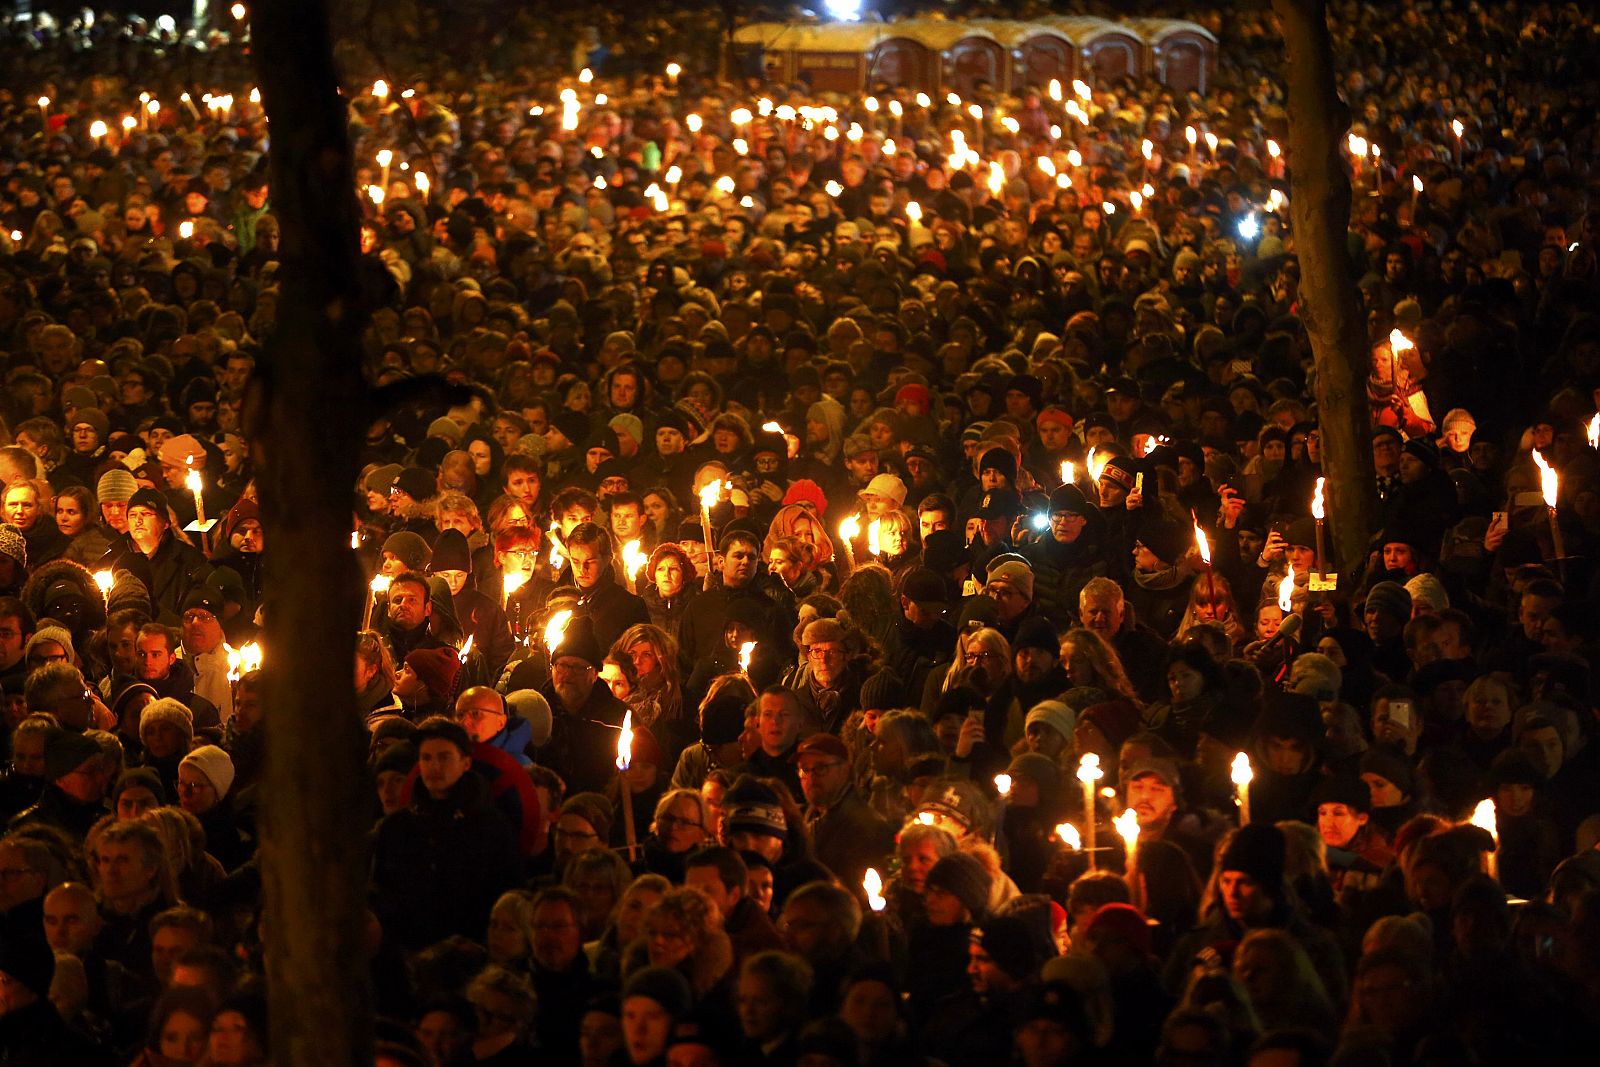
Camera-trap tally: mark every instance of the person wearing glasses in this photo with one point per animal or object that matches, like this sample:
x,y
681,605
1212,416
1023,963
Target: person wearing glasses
x,y
847,836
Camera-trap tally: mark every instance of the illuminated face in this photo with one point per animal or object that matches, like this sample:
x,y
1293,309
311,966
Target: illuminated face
x,y
1339,824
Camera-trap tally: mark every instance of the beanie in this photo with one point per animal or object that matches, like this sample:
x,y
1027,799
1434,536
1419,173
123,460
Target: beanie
x,y
530,705
1041,770
445,427
151,499
65,752
409,548
1120,471
381,480
436,668
116,485
722,718
573,425
393,728
1344,789
754,807
593,809
1391,766
92,417
215,764
128,592
53,633
143,778
1167,541
1036,632
1117,719
168,710
450,552
1390,597
964,877
1001,460
1316,676
883,691
1427,589
1260,851
1011,944
631,425
1054,714
887,486
417,483
398,758
578,641
1514,767
664,985
1019,577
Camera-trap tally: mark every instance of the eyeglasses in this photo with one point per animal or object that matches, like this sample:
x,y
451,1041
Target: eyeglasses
x,y
811,770
667,822
821,652
981,657
482,713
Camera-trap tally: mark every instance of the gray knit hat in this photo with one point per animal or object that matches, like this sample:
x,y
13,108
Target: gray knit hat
x,y
964,877
409,548
1054,714
116,485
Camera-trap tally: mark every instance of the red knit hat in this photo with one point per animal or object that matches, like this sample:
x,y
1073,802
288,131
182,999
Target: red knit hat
x,y
806,491
1124,921
436,668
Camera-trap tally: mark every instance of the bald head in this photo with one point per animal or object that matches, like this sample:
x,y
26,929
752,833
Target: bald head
x,y
481,712
71,920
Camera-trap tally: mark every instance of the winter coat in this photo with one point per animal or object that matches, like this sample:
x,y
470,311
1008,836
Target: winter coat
x,y
439,865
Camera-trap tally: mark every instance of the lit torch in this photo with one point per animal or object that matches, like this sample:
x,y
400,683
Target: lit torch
x,y
1550,484
1127,825
708,497
624,761
633,561
1286,591
1089,772
1068,834
1483,817
379,586
1319,512
746,650
105,580
1002,784
873,884
556,629
874,535
1069,472
849,530
1593,431
1242,774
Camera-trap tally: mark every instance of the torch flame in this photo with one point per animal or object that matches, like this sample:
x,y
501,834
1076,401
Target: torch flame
x,y
105,580
625,742
556,628
191,481
513,581
1002,784
1548,481
1416,183
1399,342
1201,542
1089,769
1069,472
850,528
1241,772
466,650
1127,825
634,558
1483,817
1594,432
1069,836
380,583
1317,511
709,494
745,651
874,531
771,427
1286,591
873,884
1097,463
242,661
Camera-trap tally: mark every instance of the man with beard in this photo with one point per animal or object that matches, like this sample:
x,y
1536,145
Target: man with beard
x,y
410,615
1153,788
1035,652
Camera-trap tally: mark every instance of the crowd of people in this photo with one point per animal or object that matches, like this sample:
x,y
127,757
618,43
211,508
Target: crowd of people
x,y
869,607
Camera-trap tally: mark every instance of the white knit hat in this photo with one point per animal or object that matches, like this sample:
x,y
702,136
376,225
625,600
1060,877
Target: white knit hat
x,y
215,764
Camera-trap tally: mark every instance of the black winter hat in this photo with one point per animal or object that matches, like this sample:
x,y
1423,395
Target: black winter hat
x,y
1260,851
417,483
722,720
1011,944
1167,540
579,641
1344,789
1037,632
1070,498
943,552
1513,767
964,877
665,986
883,691
149,498
1002,460
450,553
574,426
1391,766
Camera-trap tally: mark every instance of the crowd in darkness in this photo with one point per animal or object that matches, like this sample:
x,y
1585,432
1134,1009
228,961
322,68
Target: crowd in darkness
x,y
914,498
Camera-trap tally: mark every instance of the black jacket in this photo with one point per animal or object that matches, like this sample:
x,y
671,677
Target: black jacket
x,y
439,865
612,609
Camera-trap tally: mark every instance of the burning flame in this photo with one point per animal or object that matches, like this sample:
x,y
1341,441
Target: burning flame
x,y
1127,825
850,528
1483,817
1548,482
709,494
242,661
625,742
1069,836
1002,784
355,539
874,532
925,818
1069,472
772,427
466,650
1200,542
1316,501
513,581
1241,772
105,580
1097,463
1286,591
873,884
1089,770
380,583
745,651
191,481
1594,432
1399,342
633,558
1416,183
556,628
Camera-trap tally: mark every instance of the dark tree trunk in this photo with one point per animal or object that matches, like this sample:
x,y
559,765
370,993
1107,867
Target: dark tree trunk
x,y
306,415
1330,304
